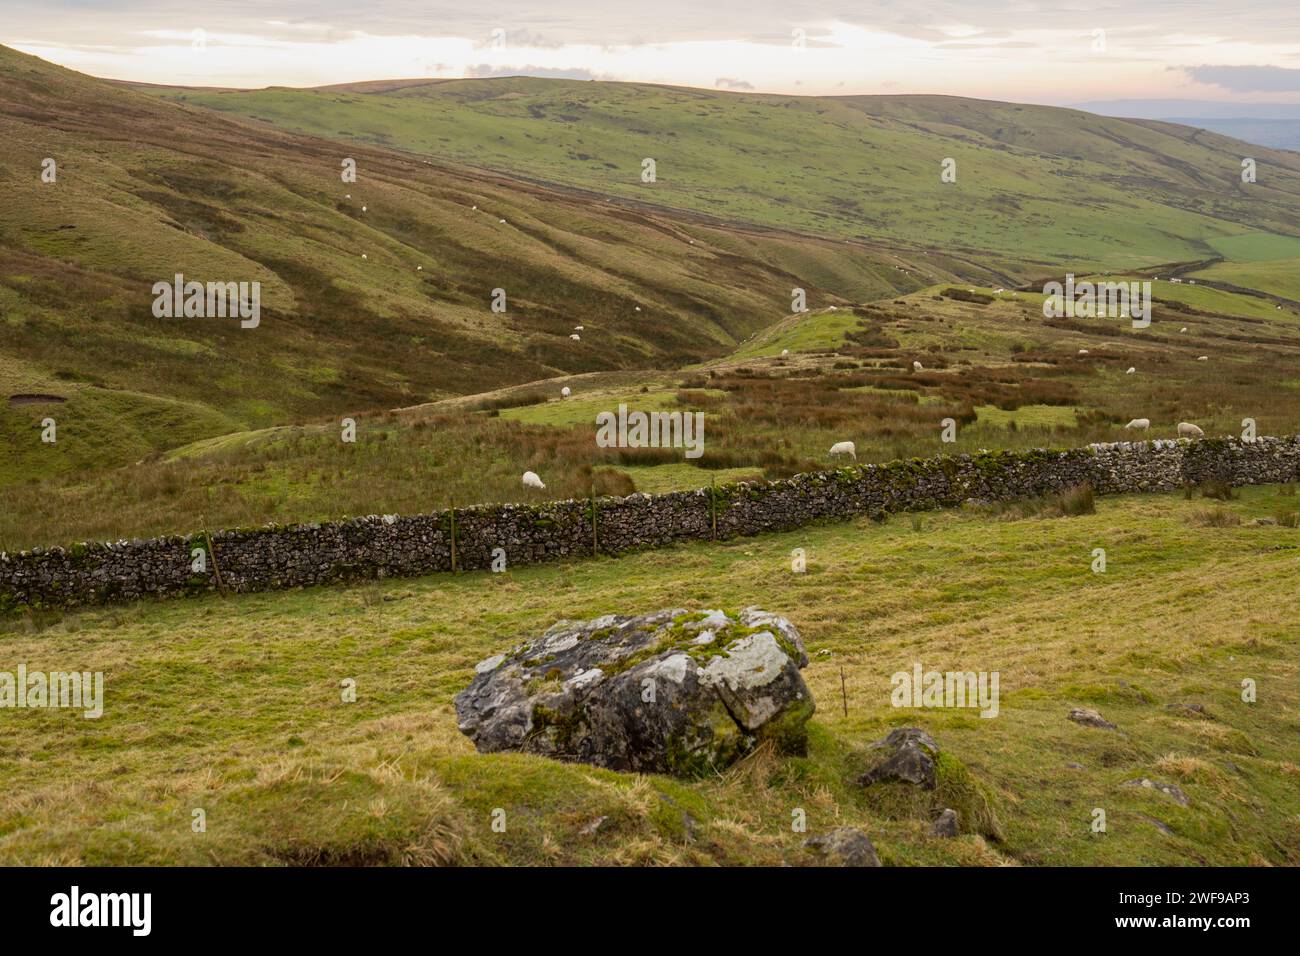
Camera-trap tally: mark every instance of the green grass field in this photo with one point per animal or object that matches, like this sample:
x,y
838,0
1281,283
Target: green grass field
x,y
233,706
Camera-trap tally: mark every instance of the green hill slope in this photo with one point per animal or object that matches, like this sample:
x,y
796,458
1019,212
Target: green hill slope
x,y
1035,185
375,294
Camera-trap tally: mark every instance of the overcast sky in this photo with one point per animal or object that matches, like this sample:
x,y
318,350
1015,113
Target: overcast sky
x,y
1051,52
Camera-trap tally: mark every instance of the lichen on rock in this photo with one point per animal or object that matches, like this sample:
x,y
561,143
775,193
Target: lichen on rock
x,y
673,691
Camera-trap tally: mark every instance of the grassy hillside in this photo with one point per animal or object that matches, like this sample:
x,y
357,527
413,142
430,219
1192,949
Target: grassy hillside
x,y
233,706
991,362
1036,186
375,294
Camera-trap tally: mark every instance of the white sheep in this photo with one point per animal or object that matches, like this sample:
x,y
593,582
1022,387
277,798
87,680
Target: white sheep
x,y
1202,358
1183,329
917,366
785,352
1188,430
532,481
1141,424
579,328
844,448
1083,351
564,392
1131,370
576,337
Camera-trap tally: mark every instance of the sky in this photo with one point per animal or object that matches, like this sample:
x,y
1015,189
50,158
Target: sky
x,y
1052,53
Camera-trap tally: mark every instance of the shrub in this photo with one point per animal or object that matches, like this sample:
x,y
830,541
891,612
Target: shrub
x,y
1077,501
1218,489
1215,518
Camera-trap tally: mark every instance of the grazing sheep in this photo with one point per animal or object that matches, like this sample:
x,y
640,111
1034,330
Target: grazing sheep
x,y
844,448
1188,430
785,352
917,366
578,328
1083,351
564,392
1202,358
1131,370
1141,424
532,481
576,337
1183,329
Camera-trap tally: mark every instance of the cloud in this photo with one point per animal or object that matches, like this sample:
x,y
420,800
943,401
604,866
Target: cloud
x,y
1247,79
726,83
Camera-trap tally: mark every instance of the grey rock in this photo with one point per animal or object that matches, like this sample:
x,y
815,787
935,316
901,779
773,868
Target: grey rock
x,y
1166,788
667,692
1090,718
946,825
844,846
1194,711
1163,828
909,758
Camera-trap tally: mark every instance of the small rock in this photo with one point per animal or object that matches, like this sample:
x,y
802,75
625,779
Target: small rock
x,y
1157,824
911,759
844,846
1090,718
1166,788
946,825
1195,711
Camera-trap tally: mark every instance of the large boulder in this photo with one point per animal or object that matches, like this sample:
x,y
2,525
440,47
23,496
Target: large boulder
x,y
669,692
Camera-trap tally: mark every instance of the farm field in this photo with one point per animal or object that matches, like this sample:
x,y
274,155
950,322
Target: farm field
x,y
1008,379
233,705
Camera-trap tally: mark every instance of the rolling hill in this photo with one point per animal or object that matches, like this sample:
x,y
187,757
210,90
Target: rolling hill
x,y
1036,186
374,294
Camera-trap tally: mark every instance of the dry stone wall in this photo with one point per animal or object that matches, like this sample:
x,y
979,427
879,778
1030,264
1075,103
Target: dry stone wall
x,y
274,557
